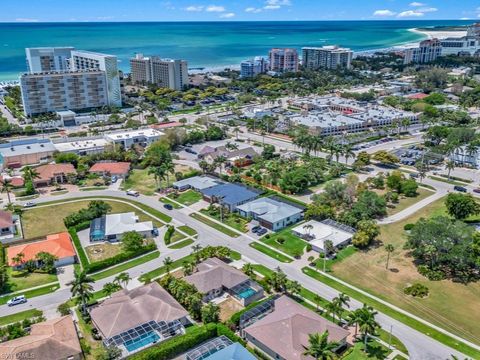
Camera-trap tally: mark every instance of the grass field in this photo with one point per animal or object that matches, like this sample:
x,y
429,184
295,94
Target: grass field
x,y
406,202
292,245
450,305
374,351
125,266
181,244
27,314
102,251
187,198
205,219
41,221
341,255
176,237
233,220
20,280
272,253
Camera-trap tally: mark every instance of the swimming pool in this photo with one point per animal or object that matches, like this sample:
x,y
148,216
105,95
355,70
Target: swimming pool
x,y
245,294
142,341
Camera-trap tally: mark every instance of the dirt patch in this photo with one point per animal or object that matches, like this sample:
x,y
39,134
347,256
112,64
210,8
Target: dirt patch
x,y
102,251
228,308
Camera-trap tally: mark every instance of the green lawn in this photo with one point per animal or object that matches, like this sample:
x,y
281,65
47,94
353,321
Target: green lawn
x,y
20,316
292,245
187,198
442,179
272,253
140,180
176,237
219,227
341,255
125,266
395,314
233,220
20,280
375,350
181,244
188,230
32,293
168,201
41,221
406,202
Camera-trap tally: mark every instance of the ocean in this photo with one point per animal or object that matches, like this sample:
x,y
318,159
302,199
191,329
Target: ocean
x,y
202,44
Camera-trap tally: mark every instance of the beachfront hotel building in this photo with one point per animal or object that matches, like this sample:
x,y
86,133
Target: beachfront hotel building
x,y
428,51
46,59
326,57
283,60
58,91
253,67
168,73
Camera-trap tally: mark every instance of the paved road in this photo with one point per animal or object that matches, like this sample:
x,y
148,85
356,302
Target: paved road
x,y
419,345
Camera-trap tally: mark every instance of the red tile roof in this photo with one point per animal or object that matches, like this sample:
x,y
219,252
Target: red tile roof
x,y
15,181
113,168
46,172
418,96
59,245
166,125
5,219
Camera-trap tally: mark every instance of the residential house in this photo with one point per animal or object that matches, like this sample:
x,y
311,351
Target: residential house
x,y
196,183
15,181
112,227
283,332
18,153
271,213
135,319
219,348
58,245
54,174
236,157
54,339
318,232
229,195
8,227
214,278
111,168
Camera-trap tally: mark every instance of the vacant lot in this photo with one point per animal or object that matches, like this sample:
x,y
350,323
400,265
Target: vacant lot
x,y
41,221
102,251
450,305
286,242
406,202
187,198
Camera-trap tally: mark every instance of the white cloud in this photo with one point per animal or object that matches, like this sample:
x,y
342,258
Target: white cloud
x,y
227,15
427,10
383,13
215,8
417,4
25,20
253,10
194,8
411,13
276,4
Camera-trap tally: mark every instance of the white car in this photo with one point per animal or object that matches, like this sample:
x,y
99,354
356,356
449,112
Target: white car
x,y
21,299
133,193
29,204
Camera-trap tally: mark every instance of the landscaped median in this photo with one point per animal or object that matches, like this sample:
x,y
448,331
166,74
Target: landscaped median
x,y
272,253
387,310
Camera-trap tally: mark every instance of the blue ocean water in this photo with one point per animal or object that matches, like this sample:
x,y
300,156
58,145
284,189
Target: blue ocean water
x,y
203,44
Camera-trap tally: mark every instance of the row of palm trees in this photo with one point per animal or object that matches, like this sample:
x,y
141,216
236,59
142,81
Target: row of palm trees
x,y
310,143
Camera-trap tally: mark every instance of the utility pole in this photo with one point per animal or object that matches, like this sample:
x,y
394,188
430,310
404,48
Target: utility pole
x,y
390,337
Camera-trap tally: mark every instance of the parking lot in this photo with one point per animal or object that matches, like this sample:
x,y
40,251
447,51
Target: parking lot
x,y
410,155
372,143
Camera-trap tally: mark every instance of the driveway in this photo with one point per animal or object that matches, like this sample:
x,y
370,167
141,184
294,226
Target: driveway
x,y
65,274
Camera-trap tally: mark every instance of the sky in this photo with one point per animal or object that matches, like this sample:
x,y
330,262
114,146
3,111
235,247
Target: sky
x,y
236,10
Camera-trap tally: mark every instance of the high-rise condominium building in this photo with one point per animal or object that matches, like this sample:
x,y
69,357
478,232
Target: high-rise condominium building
x,y
283,60
167,73
86,60
253,67
43,59
67,90
327,57
428,51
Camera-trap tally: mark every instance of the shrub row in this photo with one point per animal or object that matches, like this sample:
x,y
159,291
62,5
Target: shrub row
x,y
168,234
103,264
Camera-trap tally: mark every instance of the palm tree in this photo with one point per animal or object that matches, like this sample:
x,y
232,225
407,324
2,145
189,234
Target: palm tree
x,y
248,269
7,187
169,168
352,319
19,259
318,299
389,249
204,166
30,174
308,228
231,146
167,262
348,152
320,348
332,308
122,278
81,287
236,130
188,267
196,252
294,288
366,322
450,165
219,161
110,287
342,300
158,173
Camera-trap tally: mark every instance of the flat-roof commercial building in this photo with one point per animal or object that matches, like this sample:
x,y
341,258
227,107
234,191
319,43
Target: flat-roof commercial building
x,y
271,213
283,60
108,64
168,73
82,147
18,153
54,339
283,332
317,232
47,59
326,57
111,227
59,91
135,319
142,137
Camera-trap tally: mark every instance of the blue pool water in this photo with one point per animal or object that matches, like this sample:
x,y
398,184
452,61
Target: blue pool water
x,y
141,341
246,294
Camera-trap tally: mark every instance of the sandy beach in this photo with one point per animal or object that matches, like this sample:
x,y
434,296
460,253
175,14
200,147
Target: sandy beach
x,y
439,34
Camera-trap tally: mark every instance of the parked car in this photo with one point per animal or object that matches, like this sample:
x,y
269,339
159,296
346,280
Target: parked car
x,y
131,192
29,204
262,231
191,151
459,188
476,190
21,299
155,232
168,206
114,179
256,229
414,175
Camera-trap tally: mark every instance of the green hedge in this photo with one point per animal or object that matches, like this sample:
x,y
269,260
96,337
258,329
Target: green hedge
x,y
103,264
235,319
